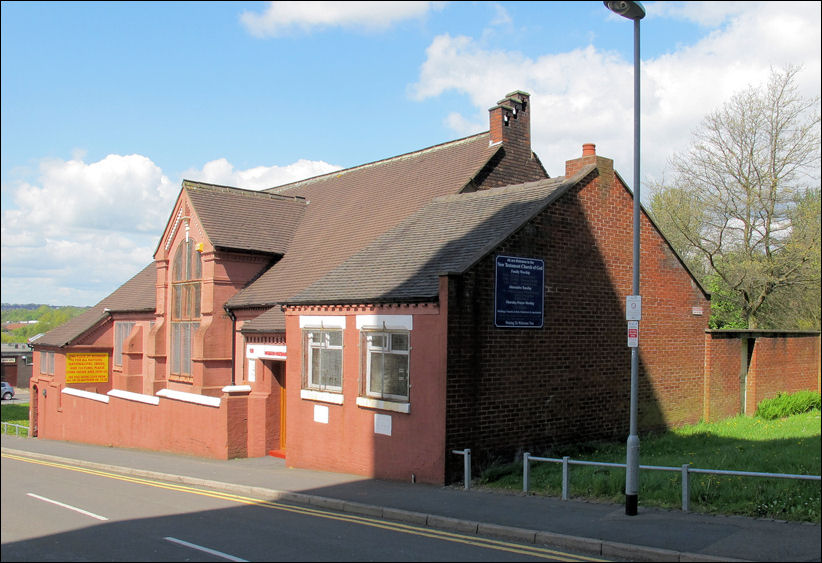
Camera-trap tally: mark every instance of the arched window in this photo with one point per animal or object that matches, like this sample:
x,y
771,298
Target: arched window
x,y
186,276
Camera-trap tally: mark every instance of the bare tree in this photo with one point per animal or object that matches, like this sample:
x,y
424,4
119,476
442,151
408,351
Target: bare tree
x,y
731,210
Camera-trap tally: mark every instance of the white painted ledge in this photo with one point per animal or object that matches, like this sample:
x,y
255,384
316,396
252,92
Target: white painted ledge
x,y
322,396
237,389
189,397
137,397
383,405
85,394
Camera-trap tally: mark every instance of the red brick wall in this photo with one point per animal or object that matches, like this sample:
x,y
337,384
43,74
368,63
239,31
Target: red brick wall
x,y
723,365
786,362
774,362
512,390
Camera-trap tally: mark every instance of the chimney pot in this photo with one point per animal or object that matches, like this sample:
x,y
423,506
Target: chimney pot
x,y
589,149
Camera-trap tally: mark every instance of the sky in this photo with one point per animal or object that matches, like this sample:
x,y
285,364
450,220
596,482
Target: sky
x,y
108,106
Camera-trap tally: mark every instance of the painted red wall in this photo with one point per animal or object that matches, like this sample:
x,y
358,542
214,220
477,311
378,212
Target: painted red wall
x,y
171,426
348,442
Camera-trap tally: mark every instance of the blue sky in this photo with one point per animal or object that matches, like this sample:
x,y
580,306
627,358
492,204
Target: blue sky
x,y
107,106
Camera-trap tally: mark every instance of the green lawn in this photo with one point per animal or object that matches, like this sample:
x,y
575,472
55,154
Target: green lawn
x,y
788,445
15,414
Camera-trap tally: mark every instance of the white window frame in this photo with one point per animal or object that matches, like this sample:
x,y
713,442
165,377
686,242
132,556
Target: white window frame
x,y
312,347
387,349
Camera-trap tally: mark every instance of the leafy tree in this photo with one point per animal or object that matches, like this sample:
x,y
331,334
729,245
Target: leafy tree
x,y
741,211
47,318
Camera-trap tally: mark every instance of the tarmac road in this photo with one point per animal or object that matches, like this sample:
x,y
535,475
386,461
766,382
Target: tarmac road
x,y
598,529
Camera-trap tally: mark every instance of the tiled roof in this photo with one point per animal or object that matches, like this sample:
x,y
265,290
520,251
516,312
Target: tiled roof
x,y
245,220
348,209
448,235
136,295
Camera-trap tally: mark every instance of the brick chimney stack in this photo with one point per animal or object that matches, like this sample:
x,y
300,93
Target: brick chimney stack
x,y
511,122
589,156
510,138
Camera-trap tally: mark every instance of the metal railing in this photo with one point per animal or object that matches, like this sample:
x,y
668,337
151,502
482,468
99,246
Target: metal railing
x,y
685,470
17,428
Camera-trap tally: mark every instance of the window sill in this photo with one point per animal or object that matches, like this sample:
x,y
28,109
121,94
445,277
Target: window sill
x,y
322,396
383,405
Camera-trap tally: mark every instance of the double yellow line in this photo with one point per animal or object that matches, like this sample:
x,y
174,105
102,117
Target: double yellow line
x,y
541,552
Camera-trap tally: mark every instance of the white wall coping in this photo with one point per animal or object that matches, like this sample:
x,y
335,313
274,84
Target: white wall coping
x,y
236,388
323,396
131,396
85,394
189,397
383,405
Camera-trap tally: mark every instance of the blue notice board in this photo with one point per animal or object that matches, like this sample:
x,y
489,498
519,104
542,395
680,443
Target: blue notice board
x,y
519,293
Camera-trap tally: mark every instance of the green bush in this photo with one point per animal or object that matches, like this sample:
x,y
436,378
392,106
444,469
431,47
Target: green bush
x,y
785,404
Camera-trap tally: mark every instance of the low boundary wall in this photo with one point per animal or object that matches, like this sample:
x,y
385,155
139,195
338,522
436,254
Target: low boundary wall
x,y
744,367
176,422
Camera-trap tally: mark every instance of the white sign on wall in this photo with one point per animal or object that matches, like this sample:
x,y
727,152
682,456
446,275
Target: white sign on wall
x,y
321,414
633,308
382,424
265,351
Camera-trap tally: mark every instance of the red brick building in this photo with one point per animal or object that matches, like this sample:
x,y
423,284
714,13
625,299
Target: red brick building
x,y
373,319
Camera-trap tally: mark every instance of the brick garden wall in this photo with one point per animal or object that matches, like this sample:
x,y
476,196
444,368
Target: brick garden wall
x,y
765,362
782,362
723,365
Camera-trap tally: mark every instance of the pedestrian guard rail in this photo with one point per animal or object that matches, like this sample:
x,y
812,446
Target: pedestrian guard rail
x,y
685,471
17,428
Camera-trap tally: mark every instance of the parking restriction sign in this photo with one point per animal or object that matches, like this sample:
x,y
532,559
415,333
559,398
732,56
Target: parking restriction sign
x,y
633,334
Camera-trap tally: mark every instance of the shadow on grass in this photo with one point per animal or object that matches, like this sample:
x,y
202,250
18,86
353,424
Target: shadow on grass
x,y
769,497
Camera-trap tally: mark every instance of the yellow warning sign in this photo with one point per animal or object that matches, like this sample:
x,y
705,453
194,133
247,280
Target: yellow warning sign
x,y
87,368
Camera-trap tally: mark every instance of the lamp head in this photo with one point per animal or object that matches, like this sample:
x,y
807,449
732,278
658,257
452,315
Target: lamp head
x,y
626,9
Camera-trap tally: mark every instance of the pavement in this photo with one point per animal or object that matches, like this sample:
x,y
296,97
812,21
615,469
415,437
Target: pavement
x,y
578,526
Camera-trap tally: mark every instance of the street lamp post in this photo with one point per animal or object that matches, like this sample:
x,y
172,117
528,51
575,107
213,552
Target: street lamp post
x,y
633,11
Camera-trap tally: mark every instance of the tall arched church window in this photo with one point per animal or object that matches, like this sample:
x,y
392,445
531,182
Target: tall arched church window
x,y
186,280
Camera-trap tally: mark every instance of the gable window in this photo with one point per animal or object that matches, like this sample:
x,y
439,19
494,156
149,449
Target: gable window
x,y
47,363
324,360
387,365
121,332
186,278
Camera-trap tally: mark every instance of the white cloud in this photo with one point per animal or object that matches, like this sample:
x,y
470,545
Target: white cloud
x,y
501,17
586,95
222,172
80,230
284,17
709,14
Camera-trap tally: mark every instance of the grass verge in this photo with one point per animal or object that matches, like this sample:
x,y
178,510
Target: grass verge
x,y
787,445
15,414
